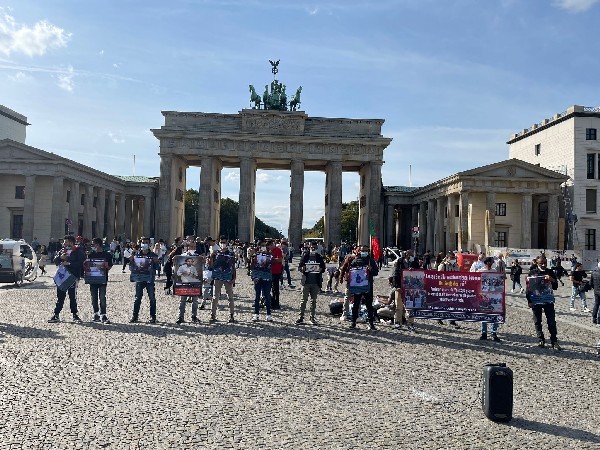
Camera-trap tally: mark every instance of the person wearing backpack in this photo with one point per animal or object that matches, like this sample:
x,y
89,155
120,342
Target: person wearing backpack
x,y
360,275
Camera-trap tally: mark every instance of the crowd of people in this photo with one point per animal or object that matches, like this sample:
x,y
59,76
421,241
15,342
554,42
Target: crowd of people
x,y
267,263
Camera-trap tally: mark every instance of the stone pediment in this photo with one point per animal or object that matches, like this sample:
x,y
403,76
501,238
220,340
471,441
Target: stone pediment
x,y
15,151
512,168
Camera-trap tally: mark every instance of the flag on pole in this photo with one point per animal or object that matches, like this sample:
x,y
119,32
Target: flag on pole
x,y
375,248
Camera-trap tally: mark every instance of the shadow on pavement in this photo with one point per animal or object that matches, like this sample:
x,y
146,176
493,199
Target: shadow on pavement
x,y
28,332
554,430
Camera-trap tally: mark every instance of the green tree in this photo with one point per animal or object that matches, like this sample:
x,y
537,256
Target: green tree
x,y
190,224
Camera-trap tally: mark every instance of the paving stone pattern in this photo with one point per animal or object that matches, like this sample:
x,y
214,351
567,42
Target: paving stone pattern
x,y
281,386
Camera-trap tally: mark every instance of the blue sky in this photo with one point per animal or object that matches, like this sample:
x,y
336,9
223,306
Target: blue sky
x,y
452,78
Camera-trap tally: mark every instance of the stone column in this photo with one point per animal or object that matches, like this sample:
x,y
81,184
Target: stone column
x,y
490,219
110,216
423,228
451,224
87,212
128,217
374,200
166,197
431,226
333,204
439,224
29,208
148,218
120,222
74,203
100,212
463,221
526,206
390,226
296,202
207,201
246,209
57,220
552,224
414,220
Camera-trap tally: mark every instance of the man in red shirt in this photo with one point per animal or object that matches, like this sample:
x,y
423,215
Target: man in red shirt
x,y
276,272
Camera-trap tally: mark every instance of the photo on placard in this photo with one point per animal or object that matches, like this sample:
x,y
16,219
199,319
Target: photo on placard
x,y
262,261
188,269
415,298
223,266
539,289
490,302
141,268
94,271
413,279
492,282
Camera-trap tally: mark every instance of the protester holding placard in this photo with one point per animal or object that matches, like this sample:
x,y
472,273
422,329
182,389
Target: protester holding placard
x,y
540,297
262,276
70,261
449,264
361,271
312,267
223,274
578,289
142,267
188,279
96,270
487,267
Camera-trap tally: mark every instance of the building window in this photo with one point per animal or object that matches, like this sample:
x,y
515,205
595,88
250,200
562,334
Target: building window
x,y
590,134
591,166
500,209
590,200
17,226
68,196
82,199
456,212
500,239
538,149
590,239
95,202
20,192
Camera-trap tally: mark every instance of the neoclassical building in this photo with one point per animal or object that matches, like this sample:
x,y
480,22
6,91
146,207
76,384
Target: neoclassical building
x,y
511,203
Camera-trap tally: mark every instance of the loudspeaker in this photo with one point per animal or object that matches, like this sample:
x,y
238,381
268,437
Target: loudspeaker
x,y
497,392
336,308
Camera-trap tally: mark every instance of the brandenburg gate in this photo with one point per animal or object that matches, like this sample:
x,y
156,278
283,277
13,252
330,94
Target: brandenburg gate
x,y
268,138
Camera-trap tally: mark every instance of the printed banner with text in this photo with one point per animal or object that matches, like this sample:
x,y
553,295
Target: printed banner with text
x,y
465,296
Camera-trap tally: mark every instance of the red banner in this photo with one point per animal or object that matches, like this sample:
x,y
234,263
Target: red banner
x,y
187,291
465,296
375,248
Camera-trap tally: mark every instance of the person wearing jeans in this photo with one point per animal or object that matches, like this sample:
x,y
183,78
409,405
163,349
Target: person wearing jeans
x,y
577,277
545,303
147,285
312,267
595,284
487,267
262,277
99,290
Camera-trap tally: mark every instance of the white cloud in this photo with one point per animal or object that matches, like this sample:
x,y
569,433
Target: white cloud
x,y
65,79
313,11
33,40
101,52
20,77
265,177
575,6
116,139
115,65
232,177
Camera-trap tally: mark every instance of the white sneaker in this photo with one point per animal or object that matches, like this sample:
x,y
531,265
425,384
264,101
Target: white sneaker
x,y
269,318
586,309
512,291
255,318
522,290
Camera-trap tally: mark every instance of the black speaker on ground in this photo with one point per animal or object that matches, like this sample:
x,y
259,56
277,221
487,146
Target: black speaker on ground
x,y
336,308
497,392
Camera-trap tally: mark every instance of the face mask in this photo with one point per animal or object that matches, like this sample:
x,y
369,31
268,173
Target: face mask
x,y
223,245
313,251
364,254
411,259
263,249
144,247
452,261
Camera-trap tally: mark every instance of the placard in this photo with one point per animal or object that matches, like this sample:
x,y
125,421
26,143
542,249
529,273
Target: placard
x,y
223,264
358,281
142,268
465,296
262,266
539,290
188,272
94,271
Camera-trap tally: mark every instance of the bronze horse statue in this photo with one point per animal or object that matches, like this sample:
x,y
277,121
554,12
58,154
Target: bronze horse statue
x,y
254,97
295,101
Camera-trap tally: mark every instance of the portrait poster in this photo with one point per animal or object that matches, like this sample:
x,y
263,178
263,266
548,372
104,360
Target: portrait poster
x,y
464,296
94,271
539,290
262,266
358,280
223,265
141,268
188,272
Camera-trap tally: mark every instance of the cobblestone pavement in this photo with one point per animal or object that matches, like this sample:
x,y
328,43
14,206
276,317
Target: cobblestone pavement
x,y
277,385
